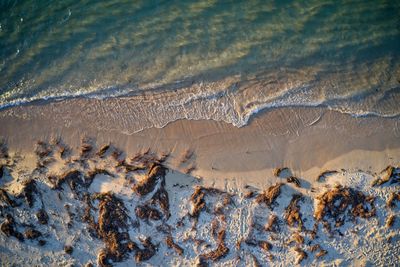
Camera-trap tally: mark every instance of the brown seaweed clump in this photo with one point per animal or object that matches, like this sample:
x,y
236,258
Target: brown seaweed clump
x,y
103,150
302,255
198,201
293,180
391,174
146,212
221,251
390,220
147,252
171,244
392,198
321,252
31,233
8,227
148,184
43,149
29,188
42,216
269,196
342,202
292,212
324,174
3,150
113,218
162,199
4,197
282,172
273,224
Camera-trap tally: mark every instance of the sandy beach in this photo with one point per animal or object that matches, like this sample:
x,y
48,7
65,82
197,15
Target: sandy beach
x,y
217,180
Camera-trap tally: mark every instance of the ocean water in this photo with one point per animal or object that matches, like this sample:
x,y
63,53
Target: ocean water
x,y
222,60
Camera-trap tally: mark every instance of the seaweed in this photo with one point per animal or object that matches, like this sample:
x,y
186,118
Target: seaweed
x,y
265,245
292,211
171,244
146,253
161,197
86,147
273,224
147,185
324,174
4,197
42,216
3,149
392,198
198,201
269,195
282,172
68,249
147,212
340,202
390,173
293,180
302,255
221,251
390,220
103,150
29,188
42,149
8,227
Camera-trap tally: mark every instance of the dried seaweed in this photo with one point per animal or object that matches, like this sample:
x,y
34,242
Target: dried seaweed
x,y
282,172
392,198
390,173
273,224
198,201
3,149
292,212
42,216
42,149
301,254
265,245
145,186
269,196
4,197
342,202
390,220
324,174
8,227
161,198
171,244
146,212
146,253
103,150
293,180
221,251
29,188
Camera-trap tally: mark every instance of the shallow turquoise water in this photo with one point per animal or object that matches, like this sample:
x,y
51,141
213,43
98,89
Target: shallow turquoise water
x,y
341,54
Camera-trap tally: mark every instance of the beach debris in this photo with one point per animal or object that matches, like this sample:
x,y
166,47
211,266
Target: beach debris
x,y
302,255
249,194
321,252
8,227
86,147
390,173
2,169
341,202
3,149
43,149
42,216
198,202
147,212
148,251
265,245
4,197
325,174
292,212
273,224
269,195
29,188
171,244
68,249
112,218
221,251
161,198
145,186
293,180
283,172
103,150
390,220
298,238
392,198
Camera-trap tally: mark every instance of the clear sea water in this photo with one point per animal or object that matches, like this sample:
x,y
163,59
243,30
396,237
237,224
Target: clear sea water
x,y
216,59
